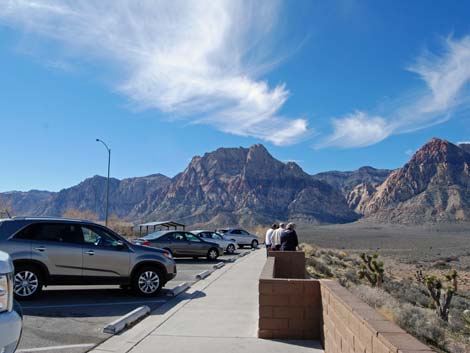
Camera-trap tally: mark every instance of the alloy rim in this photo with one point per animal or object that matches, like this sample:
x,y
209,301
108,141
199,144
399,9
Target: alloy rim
x,y
231,248
213,254
26,283
149,282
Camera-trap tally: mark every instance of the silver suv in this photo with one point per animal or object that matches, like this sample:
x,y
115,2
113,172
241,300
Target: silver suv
x,y
55,251
11,320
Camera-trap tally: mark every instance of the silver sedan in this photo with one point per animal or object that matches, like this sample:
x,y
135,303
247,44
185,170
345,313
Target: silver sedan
x,y
227,244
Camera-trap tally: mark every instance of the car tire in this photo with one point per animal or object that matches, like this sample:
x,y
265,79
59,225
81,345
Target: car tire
x,y
254,244
212,254
230,248
28,282
147,281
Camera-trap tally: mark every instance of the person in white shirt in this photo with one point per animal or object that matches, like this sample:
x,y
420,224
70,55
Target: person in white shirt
x,y
276,237
269,234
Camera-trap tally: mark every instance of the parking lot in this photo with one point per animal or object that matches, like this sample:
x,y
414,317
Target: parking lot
x,y
71,319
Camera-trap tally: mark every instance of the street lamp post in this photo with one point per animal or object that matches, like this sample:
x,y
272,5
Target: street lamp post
x,y
107,181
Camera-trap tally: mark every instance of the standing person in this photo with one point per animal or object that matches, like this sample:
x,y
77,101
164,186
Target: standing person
x,y
289,240
276,237
269,234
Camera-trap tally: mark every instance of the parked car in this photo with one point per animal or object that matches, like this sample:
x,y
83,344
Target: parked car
x,y
47,251
241,236
11,319
181,244
228,245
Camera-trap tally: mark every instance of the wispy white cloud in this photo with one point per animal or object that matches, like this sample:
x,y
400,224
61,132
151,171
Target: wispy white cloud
x,y
446,77
197,59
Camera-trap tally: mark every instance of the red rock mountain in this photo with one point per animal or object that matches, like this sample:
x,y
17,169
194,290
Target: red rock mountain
x,y
434,186
248,186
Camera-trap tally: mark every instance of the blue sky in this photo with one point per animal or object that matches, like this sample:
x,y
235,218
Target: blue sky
x,y
331,85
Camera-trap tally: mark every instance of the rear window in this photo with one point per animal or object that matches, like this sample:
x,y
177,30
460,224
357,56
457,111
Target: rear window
x,y
154,235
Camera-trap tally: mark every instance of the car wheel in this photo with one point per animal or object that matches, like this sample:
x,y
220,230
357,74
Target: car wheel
x,y
212,254
254,244
231,248
147,281
28,282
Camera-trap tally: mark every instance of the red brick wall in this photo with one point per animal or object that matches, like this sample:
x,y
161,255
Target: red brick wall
x,y
288,308
300,308
289,264
350,325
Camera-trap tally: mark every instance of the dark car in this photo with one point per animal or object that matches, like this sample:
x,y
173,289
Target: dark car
x,y
56,251
181,244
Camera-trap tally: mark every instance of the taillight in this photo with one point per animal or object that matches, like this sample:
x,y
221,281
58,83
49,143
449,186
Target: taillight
x,y
146,243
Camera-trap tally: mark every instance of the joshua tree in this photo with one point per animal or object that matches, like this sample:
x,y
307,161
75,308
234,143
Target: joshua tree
x,y
372,269
440,296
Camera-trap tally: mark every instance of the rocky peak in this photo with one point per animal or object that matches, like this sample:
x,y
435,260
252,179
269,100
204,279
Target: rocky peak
x,y
465,146
439,151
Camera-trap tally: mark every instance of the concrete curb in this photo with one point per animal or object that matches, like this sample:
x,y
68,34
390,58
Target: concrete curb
x,y
219,265
203,275
179,289
126,320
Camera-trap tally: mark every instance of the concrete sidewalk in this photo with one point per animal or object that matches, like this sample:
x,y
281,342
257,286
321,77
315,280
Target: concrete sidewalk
x,y
219,313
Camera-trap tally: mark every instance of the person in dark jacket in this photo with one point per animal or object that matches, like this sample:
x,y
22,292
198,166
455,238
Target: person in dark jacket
x,y
289,240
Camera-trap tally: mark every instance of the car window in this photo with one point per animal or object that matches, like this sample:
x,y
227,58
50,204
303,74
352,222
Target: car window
x,y
203,235
192,237
53,232
236,231
223,231
244,232
176,236
217,236
99,237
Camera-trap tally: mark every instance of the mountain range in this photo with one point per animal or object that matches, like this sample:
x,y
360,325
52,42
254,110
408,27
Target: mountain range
x,y
248,186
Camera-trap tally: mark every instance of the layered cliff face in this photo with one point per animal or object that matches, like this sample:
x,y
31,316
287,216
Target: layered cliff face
x,y
128,198
356,186
248,186
434,186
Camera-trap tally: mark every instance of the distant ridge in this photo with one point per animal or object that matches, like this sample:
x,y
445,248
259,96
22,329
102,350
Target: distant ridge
x,y
248,186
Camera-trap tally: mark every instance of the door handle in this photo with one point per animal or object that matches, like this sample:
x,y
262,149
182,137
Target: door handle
x,y
40,248
90,252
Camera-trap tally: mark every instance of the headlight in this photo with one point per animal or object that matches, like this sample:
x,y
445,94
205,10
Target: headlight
x,y
6,292
167,254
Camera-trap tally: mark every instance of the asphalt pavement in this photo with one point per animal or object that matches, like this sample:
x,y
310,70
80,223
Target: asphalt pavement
x,y
70,319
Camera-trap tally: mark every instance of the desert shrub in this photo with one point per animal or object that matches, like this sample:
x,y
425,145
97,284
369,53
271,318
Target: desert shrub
x,y
421,323
407,292
375,297
319,269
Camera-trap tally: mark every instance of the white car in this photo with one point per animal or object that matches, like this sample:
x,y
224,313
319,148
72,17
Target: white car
x,y
11,321
228,245
241,236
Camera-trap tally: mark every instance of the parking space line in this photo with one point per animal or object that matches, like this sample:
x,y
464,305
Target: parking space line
x,y
41,349
92,304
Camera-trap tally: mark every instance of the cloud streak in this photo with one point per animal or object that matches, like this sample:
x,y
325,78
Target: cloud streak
x,y
200,60
446,77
